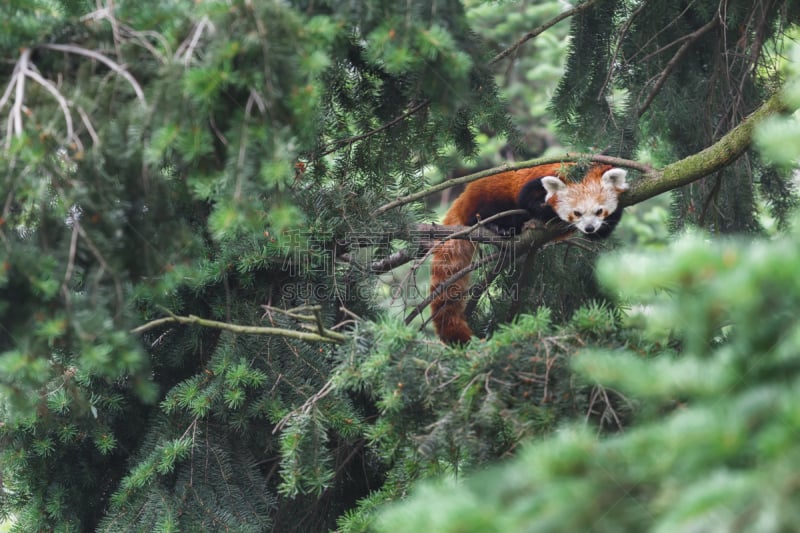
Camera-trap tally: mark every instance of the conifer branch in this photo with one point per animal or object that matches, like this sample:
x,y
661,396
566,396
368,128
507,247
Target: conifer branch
x,y
544,27
690,40
325,335
335,145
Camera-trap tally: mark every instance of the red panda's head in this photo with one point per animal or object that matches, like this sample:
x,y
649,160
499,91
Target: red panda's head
x,y
587,203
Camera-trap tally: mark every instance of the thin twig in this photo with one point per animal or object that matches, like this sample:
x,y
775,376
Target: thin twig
x,y
335,145
89,127
618,47
449,281
306,407
692,38
73,245
547,25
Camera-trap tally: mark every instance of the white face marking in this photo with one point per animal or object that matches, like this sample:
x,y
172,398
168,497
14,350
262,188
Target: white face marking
x,y
586,205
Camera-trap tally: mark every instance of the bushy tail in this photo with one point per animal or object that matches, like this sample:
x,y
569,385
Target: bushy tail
x,y
447,307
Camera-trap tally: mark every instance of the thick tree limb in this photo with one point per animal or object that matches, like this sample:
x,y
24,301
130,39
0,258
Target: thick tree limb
x,y
655,181
706,162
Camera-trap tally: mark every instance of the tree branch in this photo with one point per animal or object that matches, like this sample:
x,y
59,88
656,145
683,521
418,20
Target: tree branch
x,y
116,67
705,162
449,281
690,40
335,145
546,26
568,157
325,335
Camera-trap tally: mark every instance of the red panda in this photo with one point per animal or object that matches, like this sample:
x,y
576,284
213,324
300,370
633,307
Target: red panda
x,y
590,206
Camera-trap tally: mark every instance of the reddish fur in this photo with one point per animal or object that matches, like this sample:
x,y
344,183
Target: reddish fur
x,y
451,256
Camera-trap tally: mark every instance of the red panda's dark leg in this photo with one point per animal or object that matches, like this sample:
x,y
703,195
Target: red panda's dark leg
x,y
508,225
531,198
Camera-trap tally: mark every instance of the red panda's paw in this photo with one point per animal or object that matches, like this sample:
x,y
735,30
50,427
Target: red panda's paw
x,y
532,224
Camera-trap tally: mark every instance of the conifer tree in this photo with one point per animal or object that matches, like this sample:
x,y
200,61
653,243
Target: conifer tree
x,y
196,204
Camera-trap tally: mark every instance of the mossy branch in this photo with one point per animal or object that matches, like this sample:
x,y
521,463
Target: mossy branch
x,y
707,161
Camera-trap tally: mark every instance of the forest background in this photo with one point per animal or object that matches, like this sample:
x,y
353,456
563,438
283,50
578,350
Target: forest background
x,y
213,267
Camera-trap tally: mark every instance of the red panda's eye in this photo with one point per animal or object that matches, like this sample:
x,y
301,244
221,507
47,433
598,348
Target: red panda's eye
x,y
598,212
577,214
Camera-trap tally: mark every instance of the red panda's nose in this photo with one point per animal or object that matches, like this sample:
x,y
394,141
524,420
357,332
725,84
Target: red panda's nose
x,y
589,229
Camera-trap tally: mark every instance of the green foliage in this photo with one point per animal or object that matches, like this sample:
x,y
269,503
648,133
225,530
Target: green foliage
x,y
717,460
211,159
778,138
445,411
224,159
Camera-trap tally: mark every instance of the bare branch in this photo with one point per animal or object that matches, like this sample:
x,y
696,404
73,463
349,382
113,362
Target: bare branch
x,y
449,281
186,48
88,124
116,67
326,336
306,407
547,25
62,102
19,97
690,40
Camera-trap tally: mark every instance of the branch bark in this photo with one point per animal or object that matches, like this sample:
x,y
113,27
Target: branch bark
x,y
325,336
706,162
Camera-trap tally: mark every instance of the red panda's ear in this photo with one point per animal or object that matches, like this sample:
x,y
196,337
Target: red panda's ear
x,y
552,185
615,178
